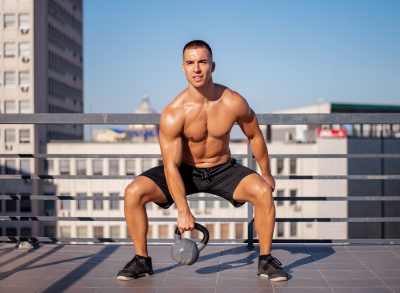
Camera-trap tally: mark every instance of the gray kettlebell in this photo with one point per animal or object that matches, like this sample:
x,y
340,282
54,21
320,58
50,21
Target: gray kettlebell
x,y
186,251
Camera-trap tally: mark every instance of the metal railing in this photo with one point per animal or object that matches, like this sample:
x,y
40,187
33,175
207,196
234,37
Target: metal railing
x,y
272,119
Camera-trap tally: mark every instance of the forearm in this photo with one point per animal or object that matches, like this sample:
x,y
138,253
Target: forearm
x,y
176,188
260,152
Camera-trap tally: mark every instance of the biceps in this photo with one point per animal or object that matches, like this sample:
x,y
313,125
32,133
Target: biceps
x,y
171,150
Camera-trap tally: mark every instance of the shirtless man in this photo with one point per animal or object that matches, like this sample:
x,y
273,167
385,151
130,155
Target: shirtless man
x,y
194,139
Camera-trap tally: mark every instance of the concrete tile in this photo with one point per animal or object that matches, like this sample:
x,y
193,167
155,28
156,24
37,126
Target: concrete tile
x,y
143,282
243,283
355,283
184,290
347,274
363,290
187,283
301,283
245,290
393,283
382,274
303,290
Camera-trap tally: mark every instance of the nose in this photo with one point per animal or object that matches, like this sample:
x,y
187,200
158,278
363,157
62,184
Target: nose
x,y
196,67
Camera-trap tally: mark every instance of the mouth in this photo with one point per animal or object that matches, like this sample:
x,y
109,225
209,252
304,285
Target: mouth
x,y
197,77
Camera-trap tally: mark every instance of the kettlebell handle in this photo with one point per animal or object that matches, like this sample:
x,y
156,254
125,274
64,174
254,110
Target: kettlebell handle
x,y
202,229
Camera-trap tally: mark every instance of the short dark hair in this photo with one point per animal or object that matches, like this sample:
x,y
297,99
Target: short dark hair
x,y
196,44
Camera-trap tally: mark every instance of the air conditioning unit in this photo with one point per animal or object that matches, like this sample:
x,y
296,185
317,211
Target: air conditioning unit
x,y
9,147
24,88
25,59
24,30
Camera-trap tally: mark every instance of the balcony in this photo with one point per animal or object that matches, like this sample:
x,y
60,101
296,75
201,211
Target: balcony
x,y
322,264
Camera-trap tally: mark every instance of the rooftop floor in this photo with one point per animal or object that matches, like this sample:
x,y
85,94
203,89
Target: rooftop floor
x,y
221,268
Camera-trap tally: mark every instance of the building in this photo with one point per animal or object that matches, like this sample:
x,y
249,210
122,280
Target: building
x,y
41,71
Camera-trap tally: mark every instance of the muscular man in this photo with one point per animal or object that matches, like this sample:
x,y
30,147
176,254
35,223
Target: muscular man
x,y
194,139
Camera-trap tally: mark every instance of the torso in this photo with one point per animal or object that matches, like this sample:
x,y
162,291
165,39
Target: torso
x,y
206,129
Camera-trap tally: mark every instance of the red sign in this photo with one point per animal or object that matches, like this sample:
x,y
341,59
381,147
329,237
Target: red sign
x,y
332,133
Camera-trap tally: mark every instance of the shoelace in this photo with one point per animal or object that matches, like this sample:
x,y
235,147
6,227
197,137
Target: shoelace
x,y
134,262
274,262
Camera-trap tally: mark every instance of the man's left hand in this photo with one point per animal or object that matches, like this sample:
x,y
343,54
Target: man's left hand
x,y
270,180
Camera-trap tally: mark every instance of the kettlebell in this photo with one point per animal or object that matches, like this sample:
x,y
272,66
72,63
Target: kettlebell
x,y
186,251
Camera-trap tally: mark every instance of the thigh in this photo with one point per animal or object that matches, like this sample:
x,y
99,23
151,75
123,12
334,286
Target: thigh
x,y
250,188
148,189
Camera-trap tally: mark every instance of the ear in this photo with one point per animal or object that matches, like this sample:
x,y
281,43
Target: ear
x,y
213,67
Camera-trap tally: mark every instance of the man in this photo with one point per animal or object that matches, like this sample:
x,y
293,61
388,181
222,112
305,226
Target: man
x,y
194,139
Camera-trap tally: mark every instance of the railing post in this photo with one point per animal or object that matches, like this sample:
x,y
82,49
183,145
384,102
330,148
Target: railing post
x,y
250,222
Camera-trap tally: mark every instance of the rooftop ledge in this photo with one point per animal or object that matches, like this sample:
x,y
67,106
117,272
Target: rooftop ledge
x,y
220,268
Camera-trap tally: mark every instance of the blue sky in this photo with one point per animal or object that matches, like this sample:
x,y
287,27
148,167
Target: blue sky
x,y
277,54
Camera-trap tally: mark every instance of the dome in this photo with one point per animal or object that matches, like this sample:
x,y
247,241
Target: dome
x,y
145,107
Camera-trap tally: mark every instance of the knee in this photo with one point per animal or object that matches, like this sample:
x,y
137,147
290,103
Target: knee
x,y
264,197
134,195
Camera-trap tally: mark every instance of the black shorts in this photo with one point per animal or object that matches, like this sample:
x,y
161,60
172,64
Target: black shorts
x,y
220,180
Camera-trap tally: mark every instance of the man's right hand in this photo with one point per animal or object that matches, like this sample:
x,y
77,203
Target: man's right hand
x,y
185,221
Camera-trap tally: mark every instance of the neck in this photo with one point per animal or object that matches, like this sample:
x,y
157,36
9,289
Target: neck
x,y
206,92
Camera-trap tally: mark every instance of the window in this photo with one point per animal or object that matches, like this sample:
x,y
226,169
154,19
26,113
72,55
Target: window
x,y
280,228
11,231
114,232
293,165
209,204
239,231
194,204
224,204
10,167
114,203
9,107
65,204
97,167
65,232
162,231
280,193
293,229
49,231
130,167
80,167
150,232
25,204
113,167
24,136
146,164
9,135
25,166
293,194
97,201
9,78
24,49
9,20
224,231
64,167
210,228
81,203
279,166
26,232
49,167
24,21
98,232
24,78
81,231
11,205
24,106
9,49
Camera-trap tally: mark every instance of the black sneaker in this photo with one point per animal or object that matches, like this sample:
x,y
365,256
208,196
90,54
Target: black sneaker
x,y
139,266
271,268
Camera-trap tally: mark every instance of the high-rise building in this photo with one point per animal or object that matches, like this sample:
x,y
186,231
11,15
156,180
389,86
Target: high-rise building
x,y
41,71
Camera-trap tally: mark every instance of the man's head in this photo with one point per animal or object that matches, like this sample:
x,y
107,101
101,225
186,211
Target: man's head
x,y
198,64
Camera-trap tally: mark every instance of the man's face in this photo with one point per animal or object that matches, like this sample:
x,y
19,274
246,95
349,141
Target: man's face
x,y
198,66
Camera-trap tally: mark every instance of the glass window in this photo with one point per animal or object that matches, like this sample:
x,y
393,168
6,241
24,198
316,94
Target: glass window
x,y
98,232
97,201
150,232
194,204
10,107
293,165
97,167
130,167
293,229
25,166
24,106
49,231
293,194
224,204
113,167
239,231
162,231
80,167
65,232
24,20
24,136
280,193
279,166
49,167
25,205
9,49
65,204
224,231
210,228
11,205
114,232
81,203
64,167
24,78
24,49
26,232
280,228
209,204
81,232
9,20
114,203
9,78
9,135
10,167
146,164
11,231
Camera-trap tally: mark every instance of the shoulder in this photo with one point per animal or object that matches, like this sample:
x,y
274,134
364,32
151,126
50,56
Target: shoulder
x,y
173,116
236,103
